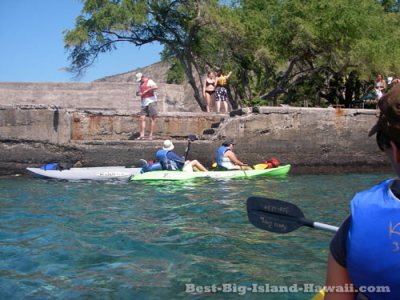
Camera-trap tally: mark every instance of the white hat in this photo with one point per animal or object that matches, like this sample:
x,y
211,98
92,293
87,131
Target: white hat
x,y
168,145
138,76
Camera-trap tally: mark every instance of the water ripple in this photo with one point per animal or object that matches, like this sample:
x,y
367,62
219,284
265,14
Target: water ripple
x,y
90,240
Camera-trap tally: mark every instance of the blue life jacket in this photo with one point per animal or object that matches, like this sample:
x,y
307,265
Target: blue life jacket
x,y
151,167
166,163
373,242
51,166
220,155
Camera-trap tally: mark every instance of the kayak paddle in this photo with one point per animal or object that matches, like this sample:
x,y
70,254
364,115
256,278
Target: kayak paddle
x,y
191,138
279,216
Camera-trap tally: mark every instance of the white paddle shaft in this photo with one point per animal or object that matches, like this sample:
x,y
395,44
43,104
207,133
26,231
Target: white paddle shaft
x,y
324,226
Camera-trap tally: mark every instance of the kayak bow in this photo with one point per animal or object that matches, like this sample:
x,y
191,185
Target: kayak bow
x,y
91,173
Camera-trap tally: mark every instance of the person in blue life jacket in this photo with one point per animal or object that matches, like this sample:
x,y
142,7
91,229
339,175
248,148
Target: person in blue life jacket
x,y
365,252
227,159
171,161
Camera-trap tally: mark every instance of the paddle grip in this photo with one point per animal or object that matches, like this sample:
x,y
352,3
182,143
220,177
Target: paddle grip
x,y
307,223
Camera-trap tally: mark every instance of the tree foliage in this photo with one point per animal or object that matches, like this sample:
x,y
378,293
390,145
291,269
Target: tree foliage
x,y
104,23
279,51
296,47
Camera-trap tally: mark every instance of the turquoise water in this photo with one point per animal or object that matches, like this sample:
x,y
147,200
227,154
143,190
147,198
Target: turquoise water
x,y
119,240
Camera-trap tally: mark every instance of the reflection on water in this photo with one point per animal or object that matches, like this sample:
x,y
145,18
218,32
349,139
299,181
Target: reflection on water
x,y
119,240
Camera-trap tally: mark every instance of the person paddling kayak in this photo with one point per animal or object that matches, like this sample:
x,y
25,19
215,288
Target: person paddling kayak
x,y
171,161
365,252
227,159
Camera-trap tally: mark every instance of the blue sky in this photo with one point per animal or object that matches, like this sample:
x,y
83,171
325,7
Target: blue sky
x,y
32,47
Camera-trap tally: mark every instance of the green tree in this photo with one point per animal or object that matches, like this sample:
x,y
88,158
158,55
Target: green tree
x,y
390,5
288,51
104,23
285,48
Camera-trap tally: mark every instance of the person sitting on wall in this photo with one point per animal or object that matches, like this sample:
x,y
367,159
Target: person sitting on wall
x,y
227,159
171,161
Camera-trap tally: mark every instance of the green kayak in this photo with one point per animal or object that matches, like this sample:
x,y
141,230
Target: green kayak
x,y
180,175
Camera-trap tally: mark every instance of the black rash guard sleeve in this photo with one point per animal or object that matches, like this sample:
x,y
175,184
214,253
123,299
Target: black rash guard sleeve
x,y
395,188
339,241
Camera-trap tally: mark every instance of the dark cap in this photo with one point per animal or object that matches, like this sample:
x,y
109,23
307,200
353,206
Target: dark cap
x,y
389,117
228,142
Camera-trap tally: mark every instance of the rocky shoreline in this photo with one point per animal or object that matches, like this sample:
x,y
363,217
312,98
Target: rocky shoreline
x,y
313,140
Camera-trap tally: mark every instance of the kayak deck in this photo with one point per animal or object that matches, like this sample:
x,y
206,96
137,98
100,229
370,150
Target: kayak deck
x,y
90,173
230,174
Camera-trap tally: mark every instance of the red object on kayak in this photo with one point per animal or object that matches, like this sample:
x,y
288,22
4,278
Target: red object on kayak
x,y
272,163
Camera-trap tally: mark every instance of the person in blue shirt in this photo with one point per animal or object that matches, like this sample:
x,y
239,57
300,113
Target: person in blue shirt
x,y
171,161
364,259
227,159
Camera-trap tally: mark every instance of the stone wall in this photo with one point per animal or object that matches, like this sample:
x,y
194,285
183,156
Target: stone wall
x,y
308,138
96,95
63,126
315,137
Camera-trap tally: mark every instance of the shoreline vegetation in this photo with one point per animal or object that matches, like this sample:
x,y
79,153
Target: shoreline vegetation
x,y
319,53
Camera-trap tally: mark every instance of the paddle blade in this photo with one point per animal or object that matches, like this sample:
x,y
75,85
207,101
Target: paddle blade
x,y
274,215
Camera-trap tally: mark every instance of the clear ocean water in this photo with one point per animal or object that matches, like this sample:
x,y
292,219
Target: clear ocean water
x,y
120,240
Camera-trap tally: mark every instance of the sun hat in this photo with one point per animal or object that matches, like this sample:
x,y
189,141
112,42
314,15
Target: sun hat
x,y
228,142
389,117
138,76
168,145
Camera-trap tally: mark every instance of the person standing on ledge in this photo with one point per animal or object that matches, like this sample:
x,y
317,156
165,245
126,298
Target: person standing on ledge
x,y
221,93
365,252
380,86
209,90
227,159
146,91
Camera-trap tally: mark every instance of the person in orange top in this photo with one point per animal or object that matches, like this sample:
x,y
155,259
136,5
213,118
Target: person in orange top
x,y
221,93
